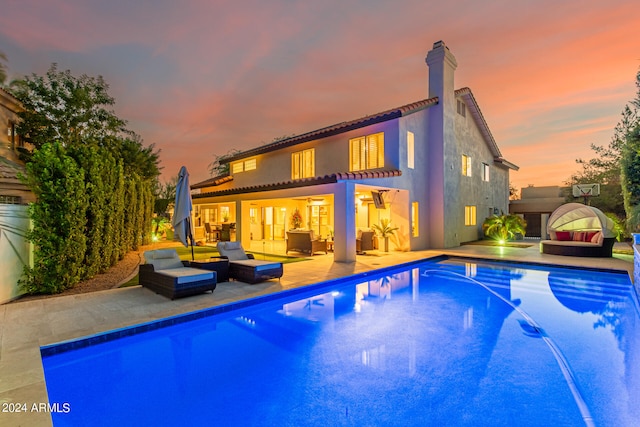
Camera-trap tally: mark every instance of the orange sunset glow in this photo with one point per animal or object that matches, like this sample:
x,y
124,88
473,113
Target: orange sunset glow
x,y
198,78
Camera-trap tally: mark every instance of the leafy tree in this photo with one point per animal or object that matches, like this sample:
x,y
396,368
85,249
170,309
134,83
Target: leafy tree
x,y
629,134
630,165
218,167
164,194
605,168
504,227
3,68
88,167
138,159
62,108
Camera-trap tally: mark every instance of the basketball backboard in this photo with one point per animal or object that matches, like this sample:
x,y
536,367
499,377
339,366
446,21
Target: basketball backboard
x,y
586,190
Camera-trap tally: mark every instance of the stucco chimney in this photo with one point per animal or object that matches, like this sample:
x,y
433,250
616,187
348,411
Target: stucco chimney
x,y
442,65
441,137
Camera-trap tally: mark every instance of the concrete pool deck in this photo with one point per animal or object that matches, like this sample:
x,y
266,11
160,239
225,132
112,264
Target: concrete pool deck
x,y
28,325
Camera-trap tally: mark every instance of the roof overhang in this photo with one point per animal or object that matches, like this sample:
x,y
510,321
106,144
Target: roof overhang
x,y
306,182
474,109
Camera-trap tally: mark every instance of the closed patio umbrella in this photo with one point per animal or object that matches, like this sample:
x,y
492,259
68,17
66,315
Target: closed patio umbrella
x,y
182,212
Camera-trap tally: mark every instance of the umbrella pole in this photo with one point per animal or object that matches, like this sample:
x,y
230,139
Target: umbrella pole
x,y
190,238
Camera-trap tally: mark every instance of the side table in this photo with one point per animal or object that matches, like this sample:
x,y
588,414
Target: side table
x,y
219,265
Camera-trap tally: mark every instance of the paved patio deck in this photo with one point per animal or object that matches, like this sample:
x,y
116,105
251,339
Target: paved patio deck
x,y
25,326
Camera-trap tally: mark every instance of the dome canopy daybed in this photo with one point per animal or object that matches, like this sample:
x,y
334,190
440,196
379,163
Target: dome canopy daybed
x,y
579,217
579,230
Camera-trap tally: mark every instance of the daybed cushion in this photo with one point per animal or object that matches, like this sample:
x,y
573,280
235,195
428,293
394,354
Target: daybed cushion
x,y
232,250
163,259
568,243
258,264
589,236
187,274
563,235
597,238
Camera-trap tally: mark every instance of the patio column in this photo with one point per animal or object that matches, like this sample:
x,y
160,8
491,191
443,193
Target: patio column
x,y
344,222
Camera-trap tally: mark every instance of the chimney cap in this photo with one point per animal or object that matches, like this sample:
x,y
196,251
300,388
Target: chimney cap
x,y
438,44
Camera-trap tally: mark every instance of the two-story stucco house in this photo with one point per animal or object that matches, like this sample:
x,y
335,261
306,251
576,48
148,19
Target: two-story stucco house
x,y
432,167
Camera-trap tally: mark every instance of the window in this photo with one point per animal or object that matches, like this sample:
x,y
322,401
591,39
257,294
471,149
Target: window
x,y
410,150
414,219
469,215
237,167
303,164
461,108
250,164
366,152
466,165
243,166
10,200
485,172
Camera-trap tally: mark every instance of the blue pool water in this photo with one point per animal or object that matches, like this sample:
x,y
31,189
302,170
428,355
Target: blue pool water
x,y
451,342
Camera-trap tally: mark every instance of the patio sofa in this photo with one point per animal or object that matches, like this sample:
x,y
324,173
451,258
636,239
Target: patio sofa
x,y
165,274
244,268
305,242
588,243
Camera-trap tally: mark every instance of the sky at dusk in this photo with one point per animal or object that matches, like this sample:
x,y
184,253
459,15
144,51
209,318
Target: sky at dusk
x,y
201,77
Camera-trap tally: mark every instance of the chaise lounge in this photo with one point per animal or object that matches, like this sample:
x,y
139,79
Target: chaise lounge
x,y
244,268
165,274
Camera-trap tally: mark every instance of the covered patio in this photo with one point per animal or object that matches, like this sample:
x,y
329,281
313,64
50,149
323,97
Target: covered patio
x,y
335,208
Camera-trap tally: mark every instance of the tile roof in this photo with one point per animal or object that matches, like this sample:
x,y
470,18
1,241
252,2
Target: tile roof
x,y
212,182
9,170
305,182
474,109
338,128
10,102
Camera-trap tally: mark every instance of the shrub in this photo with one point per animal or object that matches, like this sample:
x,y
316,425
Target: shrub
x,y
504,227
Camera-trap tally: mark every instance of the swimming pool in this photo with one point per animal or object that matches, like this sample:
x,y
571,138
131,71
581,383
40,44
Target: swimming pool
x,y
445,342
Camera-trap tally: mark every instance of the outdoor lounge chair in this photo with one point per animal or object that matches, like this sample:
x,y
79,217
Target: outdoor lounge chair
x,y
366,241
244,268
165,274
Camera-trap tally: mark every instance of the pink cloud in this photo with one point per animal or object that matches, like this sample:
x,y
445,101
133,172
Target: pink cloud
x,y
198,77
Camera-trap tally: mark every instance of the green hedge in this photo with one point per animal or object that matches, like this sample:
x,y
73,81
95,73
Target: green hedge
x,y
87,216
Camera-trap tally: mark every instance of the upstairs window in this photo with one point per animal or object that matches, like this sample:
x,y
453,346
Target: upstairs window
x,y
366,152
410,150
461,108
466,165
485,172
244,165
303,164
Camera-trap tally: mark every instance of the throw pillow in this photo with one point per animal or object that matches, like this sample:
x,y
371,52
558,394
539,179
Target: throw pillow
x,y
563,235
578,236
596,237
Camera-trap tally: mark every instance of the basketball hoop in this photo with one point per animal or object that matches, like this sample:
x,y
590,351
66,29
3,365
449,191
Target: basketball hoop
x,y
585,191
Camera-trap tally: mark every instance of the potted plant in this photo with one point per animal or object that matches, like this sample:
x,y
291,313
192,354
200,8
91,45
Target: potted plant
x,y
385,230
296,219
